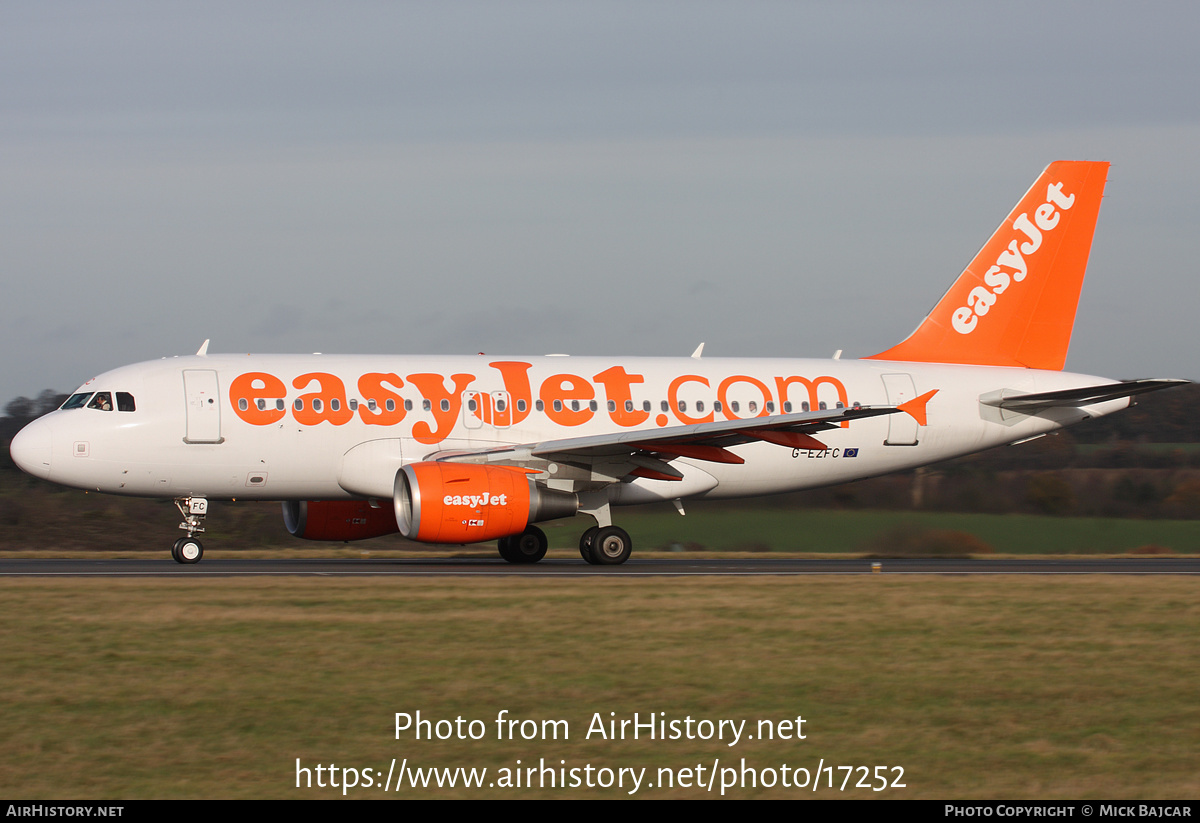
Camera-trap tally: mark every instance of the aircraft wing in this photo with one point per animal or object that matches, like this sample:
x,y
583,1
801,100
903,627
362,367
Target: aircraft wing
x,y
647,452
1085,396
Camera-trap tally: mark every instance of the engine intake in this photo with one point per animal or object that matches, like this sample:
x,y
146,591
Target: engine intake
x,y
469,503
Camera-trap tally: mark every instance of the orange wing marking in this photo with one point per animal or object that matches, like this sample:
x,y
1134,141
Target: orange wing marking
x,y
651,474
713,454
916,407
793,440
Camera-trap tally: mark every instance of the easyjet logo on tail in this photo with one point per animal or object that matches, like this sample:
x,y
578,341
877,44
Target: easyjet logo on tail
x,y
1014,304
1013,263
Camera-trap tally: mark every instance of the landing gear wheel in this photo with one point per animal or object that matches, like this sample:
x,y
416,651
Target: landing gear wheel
x,y
611,546
527,547
505,546
187,550
585,543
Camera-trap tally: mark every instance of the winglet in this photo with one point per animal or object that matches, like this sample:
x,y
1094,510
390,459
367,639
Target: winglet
x,y
1014,305
203,350
699,350
916,407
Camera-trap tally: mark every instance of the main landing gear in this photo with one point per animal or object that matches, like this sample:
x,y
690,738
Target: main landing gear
x,y
527,547
188,549
608,546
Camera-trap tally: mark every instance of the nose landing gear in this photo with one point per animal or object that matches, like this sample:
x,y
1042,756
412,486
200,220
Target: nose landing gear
x,y
188,549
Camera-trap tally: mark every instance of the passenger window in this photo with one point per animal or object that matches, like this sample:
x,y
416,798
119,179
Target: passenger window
x,y
445,405
426,405
753,406
316,404
593,406
298,405
279,404
558,405
716,405
353,403
540,406
645,405
521,405
335,404
770,406
262,404
665,406
408,405
372,405
102,401
242,404
787,406
734,405
628,405
699,405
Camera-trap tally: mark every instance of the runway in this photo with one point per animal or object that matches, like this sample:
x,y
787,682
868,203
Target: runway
x,y
553,567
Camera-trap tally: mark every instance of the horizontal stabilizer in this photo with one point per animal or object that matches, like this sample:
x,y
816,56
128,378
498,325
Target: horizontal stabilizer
x,y
1085,396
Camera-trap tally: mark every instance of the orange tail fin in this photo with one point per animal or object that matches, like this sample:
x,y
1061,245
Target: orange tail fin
x,y
1015,303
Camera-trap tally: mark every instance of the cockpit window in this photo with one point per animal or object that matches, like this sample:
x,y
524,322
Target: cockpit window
x,y
102,401
76,401
125,401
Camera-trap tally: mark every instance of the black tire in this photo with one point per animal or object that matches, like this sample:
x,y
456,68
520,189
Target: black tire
x,y
505,546
611,546
527,547
175,550
585,543
188,550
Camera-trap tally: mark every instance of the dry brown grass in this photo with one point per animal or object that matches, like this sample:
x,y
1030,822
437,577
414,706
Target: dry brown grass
x,y
1030,687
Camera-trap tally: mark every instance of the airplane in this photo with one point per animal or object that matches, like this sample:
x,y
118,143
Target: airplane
x,y
468,449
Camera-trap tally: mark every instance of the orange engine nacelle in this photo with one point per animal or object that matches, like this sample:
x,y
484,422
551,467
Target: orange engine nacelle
x,y
337,519
468,503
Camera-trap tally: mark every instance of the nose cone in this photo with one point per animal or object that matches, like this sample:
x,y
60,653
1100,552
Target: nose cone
x,y
30,449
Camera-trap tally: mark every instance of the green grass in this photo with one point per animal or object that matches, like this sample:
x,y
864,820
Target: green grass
x,y
821,531
1079,687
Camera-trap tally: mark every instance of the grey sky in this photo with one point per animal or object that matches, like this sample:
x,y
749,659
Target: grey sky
x,y
777,179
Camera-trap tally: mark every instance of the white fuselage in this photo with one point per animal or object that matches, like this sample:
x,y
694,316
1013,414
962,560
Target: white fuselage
x,y
329,427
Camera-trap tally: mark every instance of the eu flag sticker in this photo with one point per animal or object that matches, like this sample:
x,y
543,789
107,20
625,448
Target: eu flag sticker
x,y
849,452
